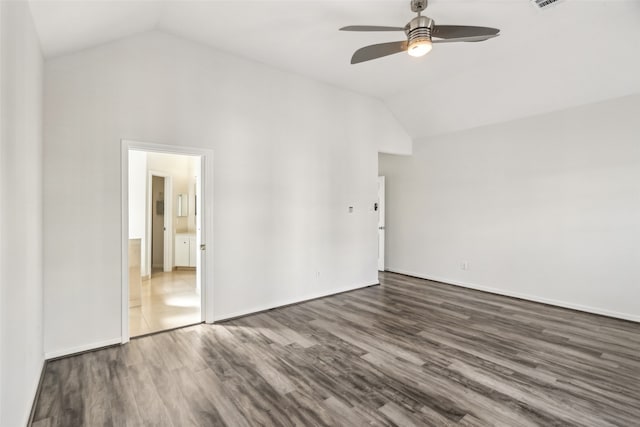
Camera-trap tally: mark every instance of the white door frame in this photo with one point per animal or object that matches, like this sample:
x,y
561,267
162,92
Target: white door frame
x,y
204,220
167,255
381,222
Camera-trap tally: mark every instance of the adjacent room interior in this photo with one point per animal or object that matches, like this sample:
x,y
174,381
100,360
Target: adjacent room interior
x,y
320,213
164,289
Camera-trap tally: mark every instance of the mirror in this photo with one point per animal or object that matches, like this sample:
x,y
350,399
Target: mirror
x,y
183,205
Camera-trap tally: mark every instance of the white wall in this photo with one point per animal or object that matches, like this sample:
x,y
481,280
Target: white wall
x,y
389,143
546,208
21,329
290,156
137,175
137,194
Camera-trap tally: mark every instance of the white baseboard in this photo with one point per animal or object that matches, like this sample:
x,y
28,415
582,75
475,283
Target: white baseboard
x,y
534,298
79,349
93,346
258,309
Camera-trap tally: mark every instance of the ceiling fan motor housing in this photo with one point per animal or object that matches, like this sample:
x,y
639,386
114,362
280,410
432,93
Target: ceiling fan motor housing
x,y
419,29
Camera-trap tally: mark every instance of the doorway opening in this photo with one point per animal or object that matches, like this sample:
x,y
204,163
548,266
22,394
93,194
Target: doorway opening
x,y
380,206
168,296
158,227
164,258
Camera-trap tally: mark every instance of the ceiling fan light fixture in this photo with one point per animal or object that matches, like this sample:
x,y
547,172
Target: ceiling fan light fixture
x,y
419,36
420,47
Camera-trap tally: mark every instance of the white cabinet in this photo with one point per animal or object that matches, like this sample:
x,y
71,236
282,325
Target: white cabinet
x,y
185,250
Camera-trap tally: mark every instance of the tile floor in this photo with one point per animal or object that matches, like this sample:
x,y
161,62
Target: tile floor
x,y
169,300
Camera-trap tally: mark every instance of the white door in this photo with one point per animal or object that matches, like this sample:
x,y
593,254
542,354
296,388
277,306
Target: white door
x,y
381,223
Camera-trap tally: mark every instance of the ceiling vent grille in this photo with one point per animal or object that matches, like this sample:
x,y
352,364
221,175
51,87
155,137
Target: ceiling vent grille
x,y
544,4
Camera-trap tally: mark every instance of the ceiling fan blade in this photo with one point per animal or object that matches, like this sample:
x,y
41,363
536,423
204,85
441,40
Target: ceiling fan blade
x,y
378,51
465,39
370,28
460,31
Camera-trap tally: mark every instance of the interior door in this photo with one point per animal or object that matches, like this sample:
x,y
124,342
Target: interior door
x,y
381,229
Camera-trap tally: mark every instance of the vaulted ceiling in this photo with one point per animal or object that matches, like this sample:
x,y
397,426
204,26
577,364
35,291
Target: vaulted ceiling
x,y
575,52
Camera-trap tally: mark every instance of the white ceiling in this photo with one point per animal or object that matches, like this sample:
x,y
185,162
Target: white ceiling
x,y
576,52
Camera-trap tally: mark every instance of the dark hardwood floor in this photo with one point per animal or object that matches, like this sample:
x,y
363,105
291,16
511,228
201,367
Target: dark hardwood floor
x,y
408,352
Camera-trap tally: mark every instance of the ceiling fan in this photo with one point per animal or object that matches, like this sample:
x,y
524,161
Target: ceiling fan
x,y
419,31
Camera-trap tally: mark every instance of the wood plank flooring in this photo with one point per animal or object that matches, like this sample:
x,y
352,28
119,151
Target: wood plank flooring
x,y
408,352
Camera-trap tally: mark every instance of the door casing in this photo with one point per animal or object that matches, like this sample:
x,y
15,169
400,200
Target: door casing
x,y
205,225
381,222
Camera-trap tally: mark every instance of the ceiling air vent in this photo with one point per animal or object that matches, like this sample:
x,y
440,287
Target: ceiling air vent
x,y
544,4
